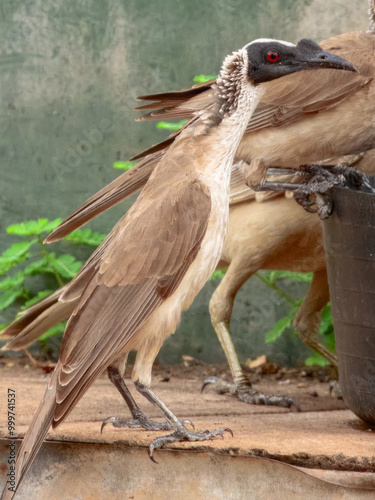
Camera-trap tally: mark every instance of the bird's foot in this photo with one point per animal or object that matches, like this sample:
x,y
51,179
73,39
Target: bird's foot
x,y
182,434
221,386
246,393
252,396
141,422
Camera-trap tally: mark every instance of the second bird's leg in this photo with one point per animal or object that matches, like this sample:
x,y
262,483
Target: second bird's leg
x,y
221,305
139,418
181,433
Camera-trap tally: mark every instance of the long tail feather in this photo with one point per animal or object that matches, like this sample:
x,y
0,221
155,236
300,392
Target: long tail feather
x,y
34,438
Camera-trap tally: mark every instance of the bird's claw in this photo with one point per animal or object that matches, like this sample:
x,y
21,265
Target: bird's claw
x,y
208,381
188,422
182,434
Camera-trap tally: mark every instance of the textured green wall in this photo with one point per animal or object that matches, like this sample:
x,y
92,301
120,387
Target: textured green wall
x,y
69,75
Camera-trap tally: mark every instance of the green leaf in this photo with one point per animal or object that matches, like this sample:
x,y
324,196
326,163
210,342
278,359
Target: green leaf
x,y
316,359
219,273
124,165
274,276
85,236
171,126
203,78
280,327
326,323
66,265
40,296
9,297
33,227
55,330
38,267
14,255
10,282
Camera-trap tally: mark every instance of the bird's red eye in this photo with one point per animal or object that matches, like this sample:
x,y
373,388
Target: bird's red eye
x,y
272,56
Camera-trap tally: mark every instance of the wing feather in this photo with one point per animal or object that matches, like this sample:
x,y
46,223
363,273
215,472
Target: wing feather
x,y
139,268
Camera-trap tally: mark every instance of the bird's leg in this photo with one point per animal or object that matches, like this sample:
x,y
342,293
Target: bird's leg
x,y
139,419
180,432
221,305
309,314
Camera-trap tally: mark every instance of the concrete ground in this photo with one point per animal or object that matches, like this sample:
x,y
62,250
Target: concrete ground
x,y
322,452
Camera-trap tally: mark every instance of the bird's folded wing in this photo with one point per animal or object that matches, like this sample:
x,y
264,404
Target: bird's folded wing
x,y
147,256
290,100
174,98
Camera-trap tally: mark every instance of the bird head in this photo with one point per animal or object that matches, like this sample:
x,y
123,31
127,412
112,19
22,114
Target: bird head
x,y
271,59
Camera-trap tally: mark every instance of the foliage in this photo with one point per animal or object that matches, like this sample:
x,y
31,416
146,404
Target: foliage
x,y
172,127
217,274
30,258
270,278
203,78
124,165
284,324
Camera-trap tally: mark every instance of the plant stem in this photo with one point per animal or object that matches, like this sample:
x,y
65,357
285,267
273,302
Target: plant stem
x,y
277,290
46,255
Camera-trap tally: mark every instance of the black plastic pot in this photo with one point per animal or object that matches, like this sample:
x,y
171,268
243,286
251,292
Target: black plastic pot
x,y
349,240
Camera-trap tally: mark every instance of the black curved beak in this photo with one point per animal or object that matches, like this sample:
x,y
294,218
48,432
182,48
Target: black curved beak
x,y
326,59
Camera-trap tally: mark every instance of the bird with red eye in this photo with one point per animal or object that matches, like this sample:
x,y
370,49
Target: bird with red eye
x,y
272,56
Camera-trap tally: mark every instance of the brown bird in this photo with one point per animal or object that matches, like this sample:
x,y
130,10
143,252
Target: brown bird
x,y
159,255
336,107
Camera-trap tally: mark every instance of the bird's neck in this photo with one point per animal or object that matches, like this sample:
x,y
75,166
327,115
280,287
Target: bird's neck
x,y
226,136
235,100
230,82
